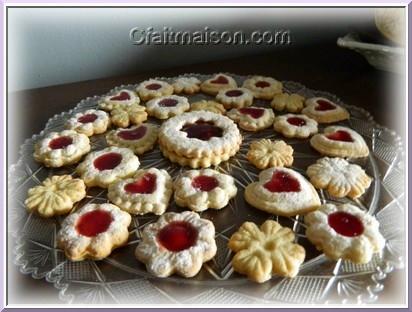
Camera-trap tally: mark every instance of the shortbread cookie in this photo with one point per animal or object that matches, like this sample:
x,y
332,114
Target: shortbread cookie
x,y
203,189
292,103
187,85
55,196
252,118
324,110
264,88
177,243
295,126
139,139
106,166
344,231
263,252
153,88
93,231
124,115
283,192
340,142
210,106
339,177
122,97
266,153
149,191
63,148
218,82
90,122
164,107
235,97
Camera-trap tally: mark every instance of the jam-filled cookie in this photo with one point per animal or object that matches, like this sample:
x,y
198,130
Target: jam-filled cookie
x,y
90,122
252,118
121,97
324,110
264,88
168,106
218,82
186,85
153,88
235,97
295,126
292,103
266,153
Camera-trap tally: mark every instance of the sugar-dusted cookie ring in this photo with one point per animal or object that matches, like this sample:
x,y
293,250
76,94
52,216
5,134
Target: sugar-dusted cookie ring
x,y
55,196
235,97
186,85
283,192
263,87
164,107
218,82
266,153
63,148
149,191
324,110
210,106
339,177
252,118
139,139
340,141
177,243
93,231
292,103
108,165
344,231
203,189
90,122
263,252
295,126
153,88
124,115
121,97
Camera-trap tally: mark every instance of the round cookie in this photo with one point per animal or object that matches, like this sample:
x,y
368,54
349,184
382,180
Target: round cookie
x,y
295,126
152,88
266,153
235,97
252,118
168,106
90,122
186,85
264,88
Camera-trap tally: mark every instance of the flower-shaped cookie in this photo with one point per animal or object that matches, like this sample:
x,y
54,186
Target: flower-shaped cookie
x,y
177,243
149,191
263,87
63,148
324,110
203,189
153,88
292,103
121,97
344,231
295,126
209,106
187,85
164,107
266,153
270,250
339,177
55,196
89,122
108,165
283,192
252,118
218,82
124,115
235,97
93,231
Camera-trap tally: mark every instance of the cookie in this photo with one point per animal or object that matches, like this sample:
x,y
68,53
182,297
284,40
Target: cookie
x,y
263,252
90,122
177,243
266,153
125,115
187,85
209,106
121,97
344,231
235,97
55,196
164,107
93,231
339,177
203,189
139,139
264,88
153,88
295,126
324,110
292,103
149,191
340,141
218,82
252,118
282,192
108,165
63,148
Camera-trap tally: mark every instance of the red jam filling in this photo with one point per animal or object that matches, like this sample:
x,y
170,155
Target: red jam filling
x,y
202,130
93,223
296,121
262,84
252,112
345,224
282,182
340,135
153,86
60,142
123,96
107,161
168,103
233,93
87,118
324,105
220,80
177,236
205,183
145,185
134,134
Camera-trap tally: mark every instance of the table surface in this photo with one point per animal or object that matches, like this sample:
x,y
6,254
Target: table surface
x,y
321,67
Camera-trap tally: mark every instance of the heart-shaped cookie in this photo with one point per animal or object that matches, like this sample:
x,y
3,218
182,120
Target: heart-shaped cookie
x,y
143,185
218,82
324,111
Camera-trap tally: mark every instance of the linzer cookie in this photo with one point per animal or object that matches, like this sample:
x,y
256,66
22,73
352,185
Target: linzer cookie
x,y
90,122
209,106
218,82
264,88
235,97
187,85
168,106
153,88
121,97
252,118
292,103
295,126
266,153
324,110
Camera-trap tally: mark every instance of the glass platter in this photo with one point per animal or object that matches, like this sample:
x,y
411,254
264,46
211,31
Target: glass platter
x,y
120,278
